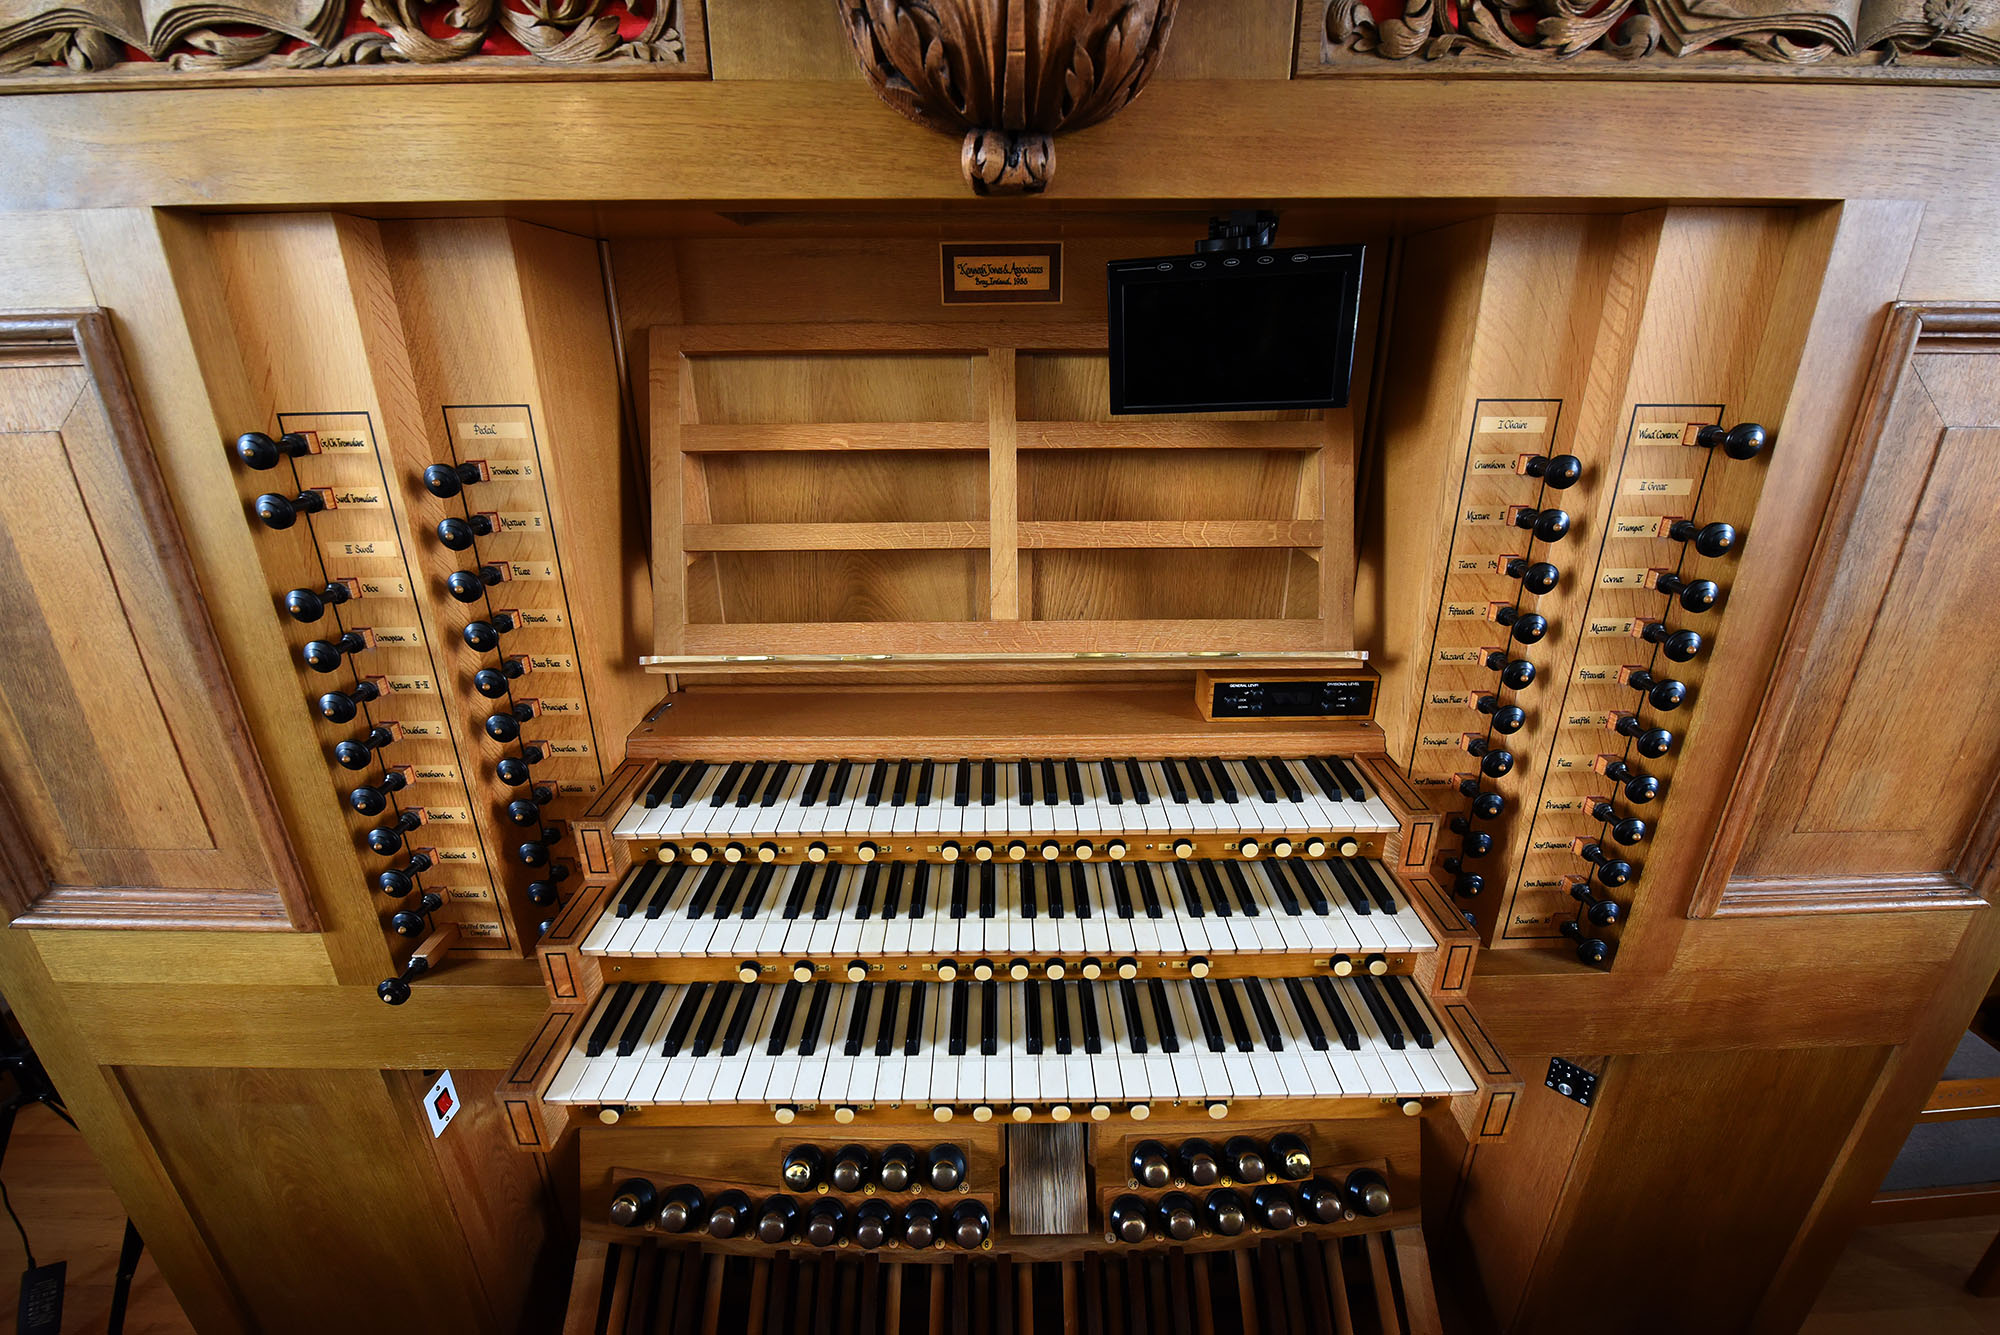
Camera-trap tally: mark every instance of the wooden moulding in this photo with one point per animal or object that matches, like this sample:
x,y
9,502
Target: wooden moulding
x,y
212,853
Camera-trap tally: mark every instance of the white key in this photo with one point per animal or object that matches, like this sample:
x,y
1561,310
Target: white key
x,y
1208,1068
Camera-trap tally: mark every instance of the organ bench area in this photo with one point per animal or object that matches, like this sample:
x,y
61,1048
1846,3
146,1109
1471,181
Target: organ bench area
x,y
881,843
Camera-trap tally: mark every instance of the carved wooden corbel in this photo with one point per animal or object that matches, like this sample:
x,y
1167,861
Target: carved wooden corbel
x,y
1009,75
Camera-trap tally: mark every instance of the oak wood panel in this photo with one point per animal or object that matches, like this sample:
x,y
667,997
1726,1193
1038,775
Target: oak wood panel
x,y
132,794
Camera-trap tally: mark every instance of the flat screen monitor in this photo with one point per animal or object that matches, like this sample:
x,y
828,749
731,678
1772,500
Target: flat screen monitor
x,y
1233,329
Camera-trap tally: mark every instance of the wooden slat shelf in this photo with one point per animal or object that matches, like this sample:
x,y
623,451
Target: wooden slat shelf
x,y
863,338
736,438
897,637
933,535
1171,435
1169,533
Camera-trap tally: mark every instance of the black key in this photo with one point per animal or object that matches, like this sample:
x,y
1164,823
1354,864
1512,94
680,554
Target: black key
x,y
712,877
1232,1011
677,1028
1031,1006
670,885
1074,773
898,793
1149,894
1121,897
1218,898
1204,1013
822,997
885,1031
1199,779
1175,788
1140,793
920,889
730,778
892,897
753,783
663,783
1135,1027
801,884
914,1031
1052,887
961,788
961,1011
871,880
1266,789
711,1020
961,881
1025,776
836,792
1308,885
815,780
1060,1006
739,1021
1376,884
1163,1016
829,891
1398,989
1028,890
1267,1019
1350,779
926,780
1049,785
1079,890
760,888
988,894
607,1019
1356,898
1288,782
1223,783
1093,1028
1279,877
1246,899
878,775
1350,1037
781,773
989,1019
989,783
781,1024
1190,891
1109,769
637,882
691,780
857,1019
1315,1032
1377,1007
725,903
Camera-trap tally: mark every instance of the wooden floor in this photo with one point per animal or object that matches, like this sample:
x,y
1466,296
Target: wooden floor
x,y
72,1215
1893,1280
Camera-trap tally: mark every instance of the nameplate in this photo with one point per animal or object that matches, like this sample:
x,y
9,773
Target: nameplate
x,y
342,440
1659,433
1584,719
1465,611
357,498
511,470
1478,515
408,635
464,857
526,521
533,569
1508,426
565,748
448,815
1446,698
1635,526
482,930
478,430
537,616
434,774
421,727
384,587
1493,463
1656,486
1557,806
552,662
1458,655
1000,273
1608,626
1474,565
1590,674
552,705
1625,577
420,685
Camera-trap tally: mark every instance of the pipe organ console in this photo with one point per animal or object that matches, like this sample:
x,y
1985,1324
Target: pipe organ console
x,y
632,563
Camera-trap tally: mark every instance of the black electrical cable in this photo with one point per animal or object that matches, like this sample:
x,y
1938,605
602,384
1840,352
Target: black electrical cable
x,y
17,1224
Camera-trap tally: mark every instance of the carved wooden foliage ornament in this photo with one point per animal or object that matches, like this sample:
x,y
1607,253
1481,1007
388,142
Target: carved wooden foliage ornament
x,y
1009,75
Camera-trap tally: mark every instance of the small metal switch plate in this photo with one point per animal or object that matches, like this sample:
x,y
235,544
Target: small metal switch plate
x,y
1572,1081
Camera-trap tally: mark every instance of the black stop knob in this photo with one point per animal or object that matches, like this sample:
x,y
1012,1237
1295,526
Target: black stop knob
x,y
1473,843
898,1169
1602,912
1639,788
373,800
395,991
1150,1166
1626,830
1367,1193
1469,885
279,512
407,922
970,1225
1694,595
777,1220
359,754
341,707
326,655
535,852
1663,693
920,1224
1535,576
1225,1212
505,727
1322,1201
1547,525
484,636
457,533
1611,871
1197,1163
1650,742
1127,1219
522,812
492,682
308,605
632,1203
945,1168
543,894
1485,805
399,881
512,771
852,1167
825,1223
1493,763
1275,1206
1524,627
1589,949
1291,1157
1742,441
1677,645
1506,718
728,1215
388,839
1558,471
1244,1158
1515,673
872,1225
260,452
446,480
804,1168
1715,539
1179,1217
681,1211
469,586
